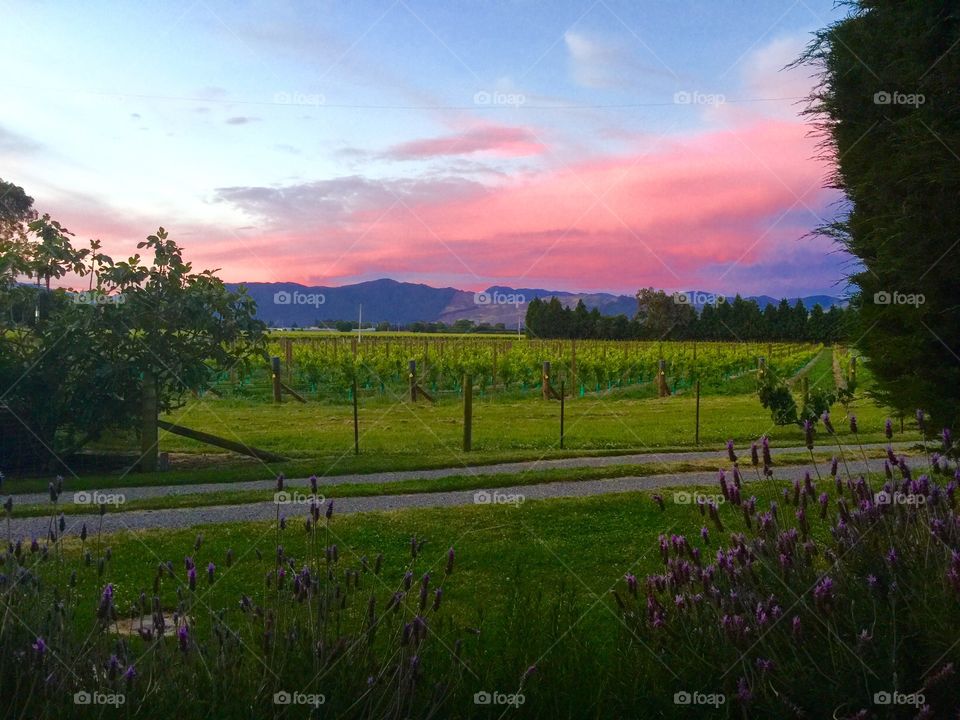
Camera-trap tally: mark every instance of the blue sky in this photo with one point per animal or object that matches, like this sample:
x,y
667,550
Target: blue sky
x,y
335,142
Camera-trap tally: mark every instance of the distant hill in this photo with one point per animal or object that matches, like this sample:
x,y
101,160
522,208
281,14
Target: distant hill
x,y
287,304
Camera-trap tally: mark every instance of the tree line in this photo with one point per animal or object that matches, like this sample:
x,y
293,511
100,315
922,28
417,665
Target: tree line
x,y
661,316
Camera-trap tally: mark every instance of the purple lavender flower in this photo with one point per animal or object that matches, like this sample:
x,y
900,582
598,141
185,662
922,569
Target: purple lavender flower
x,y
313,484
211,570
826,421
765,443
808,434
183,637
888,429
192,578
853,424
658,499
39,647
834,466
280,482
730,451
631,583
947,437
754,455
921,420
744,694
705,534
329,512
130,674
450,556
437,595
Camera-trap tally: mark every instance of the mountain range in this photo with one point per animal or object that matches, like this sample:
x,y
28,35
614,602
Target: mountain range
x,y
282,304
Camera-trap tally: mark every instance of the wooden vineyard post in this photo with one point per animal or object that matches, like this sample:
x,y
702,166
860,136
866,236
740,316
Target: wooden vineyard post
x,y
275,368
761,367
545,379
662,388
467,412
288,351
413,381
573,368
696,437
561,413
356,424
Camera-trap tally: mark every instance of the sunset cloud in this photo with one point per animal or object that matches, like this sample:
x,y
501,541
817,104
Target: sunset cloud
x,y
494,140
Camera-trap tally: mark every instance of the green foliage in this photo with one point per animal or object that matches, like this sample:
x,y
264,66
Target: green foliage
x,y
72,364
890,116
776,397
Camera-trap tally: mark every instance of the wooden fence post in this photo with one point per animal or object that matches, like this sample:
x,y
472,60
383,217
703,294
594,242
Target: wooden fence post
x,y
696,438
561,413
356,425
275,370
413,381
467,412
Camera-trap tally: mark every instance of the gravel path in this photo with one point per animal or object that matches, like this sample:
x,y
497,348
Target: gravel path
x,y
266,511
512,468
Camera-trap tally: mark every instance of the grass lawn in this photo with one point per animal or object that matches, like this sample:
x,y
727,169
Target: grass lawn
x,y
397,435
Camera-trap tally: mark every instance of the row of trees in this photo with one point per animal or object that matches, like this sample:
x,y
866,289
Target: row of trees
x,y
132,344
662,317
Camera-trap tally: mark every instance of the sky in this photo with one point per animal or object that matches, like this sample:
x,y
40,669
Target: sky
x,y
583,146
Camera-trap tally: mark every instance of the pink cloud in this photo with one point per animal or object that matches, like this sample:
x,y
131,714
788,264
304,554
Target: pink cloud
x,y
492,139
718,210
